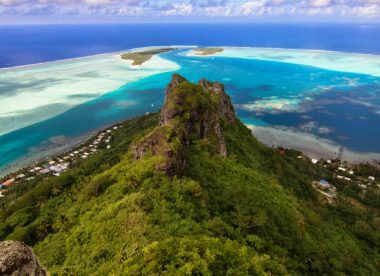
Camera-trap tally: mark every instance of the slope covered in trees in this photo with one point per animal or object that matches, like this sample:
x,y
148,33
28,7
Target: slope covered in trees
x,y
190,191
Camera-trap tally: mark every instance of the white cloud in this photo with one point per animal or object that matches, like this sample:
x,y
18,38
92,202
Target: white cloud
x,y
333,9
320,3
253,7
367,10
180,9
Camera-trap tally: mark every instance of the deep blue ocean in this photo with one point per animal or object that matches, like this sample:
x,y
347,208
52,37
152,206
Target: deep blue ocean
x,y
20,45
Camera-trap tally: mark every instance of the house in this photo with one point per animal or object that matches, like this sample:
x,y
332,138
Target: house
x,y
342,169
372,178
340,177
9,182
314,161
362,186
351,172
1,195
323,183
59,168
20,176
44,171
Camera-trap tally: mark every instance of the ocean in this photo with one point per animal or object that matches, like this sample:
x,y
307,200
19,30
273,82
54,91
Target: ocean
x,y
20,45
334,96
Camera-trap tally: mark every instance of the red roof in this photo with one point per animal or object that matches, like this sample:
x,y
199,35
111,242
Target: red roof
x,y
9,182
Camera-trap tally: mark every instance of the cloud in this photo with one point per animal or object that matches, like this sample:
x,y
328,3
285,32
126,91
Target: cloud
x,y
320,3
66,2
180,9
200,9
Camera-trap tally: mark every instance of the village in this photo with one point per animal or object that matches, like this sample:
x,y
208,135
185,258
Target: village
x,y
55,166
344,173
340,171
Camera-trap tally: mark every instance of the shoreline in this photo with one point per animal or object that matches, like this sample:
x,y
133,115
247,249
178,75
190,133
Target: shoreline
x,y
291,49
25,66
183,47
311,146
52,152
366,64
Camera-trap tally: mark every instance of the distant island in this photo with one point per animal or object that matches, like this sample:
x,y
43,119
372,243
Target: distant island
x,y
208,51
140,57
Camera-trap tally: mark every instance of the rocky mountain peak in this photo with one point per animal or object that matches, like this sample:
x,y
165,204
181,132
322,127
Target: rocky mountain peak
x,y
190,111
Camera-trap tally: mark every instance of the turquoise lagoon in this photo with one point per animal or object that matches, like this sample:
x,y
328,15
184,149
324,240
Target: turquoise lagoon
x,y
330,95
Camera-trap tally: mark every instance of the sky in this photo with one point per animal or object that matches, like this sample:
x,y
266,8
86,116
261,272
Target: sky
x,y
120,11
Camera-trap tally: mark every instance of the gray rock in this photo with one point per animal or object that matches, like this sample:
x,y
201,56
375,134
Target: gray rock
x,y
16,259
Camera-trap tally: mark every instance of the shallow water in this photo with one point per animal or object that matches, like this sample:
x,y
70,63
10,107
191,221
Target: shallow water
x,y
343,107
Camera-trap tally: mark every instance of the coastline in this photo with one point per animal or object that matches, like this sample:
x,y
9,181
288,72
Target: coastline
x,y
356,63
310,145
44,153
63,85
25,66
53,151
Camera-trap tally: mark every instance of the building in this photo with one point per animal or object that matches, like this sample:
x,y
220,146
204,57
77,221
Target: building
x,y
372,178
44,171
20,176
9,182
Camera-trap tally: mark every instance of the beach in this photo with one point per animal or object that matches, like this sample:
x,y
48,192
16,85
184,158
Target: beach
x,y
330,60
310,145
34,93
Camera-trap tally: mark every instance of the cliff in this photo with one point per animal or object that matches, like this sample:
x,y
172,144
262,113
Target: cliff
x,y
190,112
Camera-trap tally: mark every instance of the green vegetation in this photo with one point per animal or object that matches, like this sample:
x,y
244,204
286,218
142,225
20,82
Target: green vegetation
x,y
208,51
251,213
139,58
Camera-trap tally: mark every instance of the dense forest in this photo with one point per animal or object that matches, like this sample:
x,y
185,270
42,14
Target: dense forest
x,y
250,211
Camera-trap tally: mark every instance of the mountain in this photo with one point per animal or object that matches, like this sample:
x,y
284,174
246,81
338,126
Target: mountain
x,y
190,191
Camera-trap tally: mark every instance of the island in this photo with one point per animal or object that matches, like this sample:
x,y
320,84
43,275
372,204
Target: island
x,y
140,57
208,51
189,190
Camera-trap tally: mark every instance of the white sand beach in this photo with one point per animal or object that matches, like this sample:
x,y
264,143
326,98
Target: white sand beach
x,y
330,60
33,93
310,145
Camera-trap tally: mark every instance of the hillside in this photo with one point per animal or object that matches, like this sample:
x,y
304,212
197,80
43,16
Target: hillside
x,y
190,191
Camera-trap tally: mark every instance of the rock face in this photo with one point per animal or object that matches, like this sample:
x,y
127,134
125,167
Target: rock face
x,y
16,258
190,112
